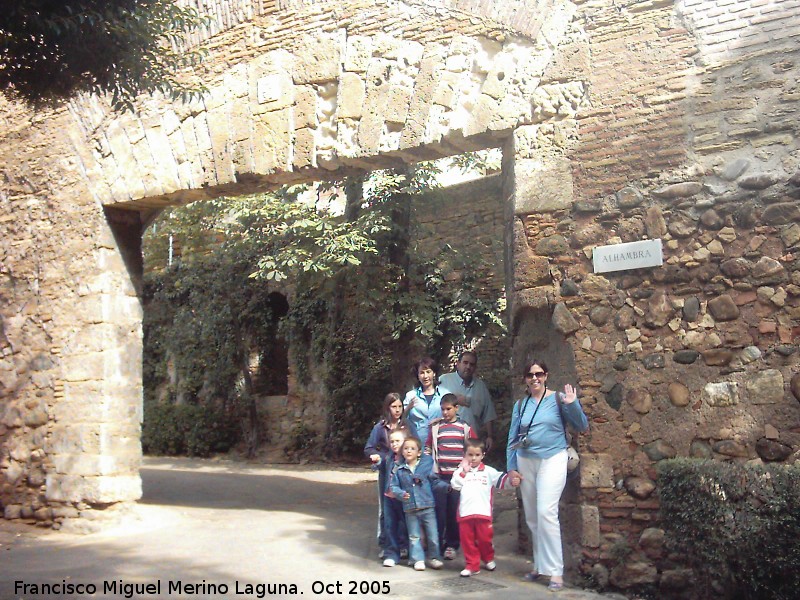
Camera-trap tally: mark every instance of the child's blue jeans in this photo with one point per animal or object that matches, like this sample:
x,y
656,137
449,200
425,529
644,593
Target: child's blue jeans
x,y
394,526
417,521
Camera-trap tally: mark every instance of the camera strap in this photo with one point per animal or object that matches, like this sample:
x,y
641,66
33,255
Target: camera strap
x,y
533,416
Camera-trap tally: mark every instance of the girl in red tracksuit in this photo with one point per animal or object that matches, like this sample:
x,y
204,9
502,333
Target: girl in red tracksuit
x,y
476,482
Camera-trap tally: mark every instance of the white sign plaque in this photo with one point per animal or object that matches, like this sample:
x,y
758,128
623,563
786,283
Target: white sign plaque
x,y
633,255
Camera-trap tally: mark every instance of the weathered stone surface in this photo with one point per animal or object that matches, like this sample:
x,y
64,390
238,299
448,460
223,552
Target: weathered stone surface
x,y
772,451
768,270
640,400
700,449
629,197
632,573
659,450
730,448
679,190
652,541
717,357
597,471
542,185
614,396
685,357
765,387
625,318
563,321
759,181
737,268
599,315
681,226
596,286
569,288
724,393
590,526
678,394
711,220
554,245
653,361
639,487
723,308
660,309
654,222
691,309
781,213
734,169
795,385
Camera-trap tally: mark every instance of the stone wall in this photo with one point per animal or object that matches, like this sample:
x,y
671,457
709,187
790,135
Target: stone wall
x,y
620,120
690,136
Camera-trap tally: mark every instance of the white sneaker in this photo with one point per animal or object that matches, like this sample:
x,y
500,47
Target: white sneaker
x,y
389,562
468,573
419,565
491,565
449,553
436,563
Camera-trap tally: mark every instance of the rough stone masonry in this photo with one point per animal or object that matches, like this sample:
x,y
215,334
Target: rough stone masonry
x,y
620,120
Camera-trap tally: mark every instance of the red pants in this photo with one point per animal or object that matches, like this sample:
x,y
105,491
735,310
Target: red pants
x,y
476,541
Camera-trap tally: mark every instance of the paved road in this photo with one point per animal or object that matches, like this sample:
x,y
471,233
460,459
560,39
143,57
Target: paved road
x,y
226,531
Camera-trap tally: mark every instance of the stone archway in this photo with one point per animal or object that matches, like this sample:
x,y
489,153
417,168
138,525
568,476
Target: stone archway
x,y
280,108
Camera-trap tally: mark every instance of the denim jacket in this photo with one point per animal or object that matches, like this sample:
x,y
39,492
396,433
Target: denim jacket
x,y
419,484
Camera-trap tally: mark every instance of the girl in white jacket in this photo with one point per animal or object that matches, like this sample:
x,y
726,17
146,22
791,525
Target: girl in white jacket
x,y
476,482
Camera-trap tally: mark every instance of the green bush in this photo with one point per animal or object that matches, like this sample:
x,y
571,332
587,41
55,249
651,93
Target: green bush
x,y
737,525
187,429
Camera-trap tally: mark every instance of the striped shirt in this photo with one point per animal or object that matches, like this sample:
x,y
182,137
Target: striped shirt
x,y
446,444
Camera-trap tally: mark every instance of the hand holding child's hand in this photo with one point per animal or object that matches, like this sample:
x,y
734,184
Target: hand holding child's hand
x,y
406,496
375,458
515,478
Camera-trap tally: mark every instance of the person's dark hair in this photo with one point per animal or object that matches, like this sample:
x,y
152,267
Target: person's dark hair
x,y
423,363
449,399
530,363
475,443
472,353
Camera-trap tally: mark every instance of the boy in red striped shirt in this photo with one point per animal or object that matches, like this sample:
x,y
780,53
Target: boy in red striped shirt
x,y
446,444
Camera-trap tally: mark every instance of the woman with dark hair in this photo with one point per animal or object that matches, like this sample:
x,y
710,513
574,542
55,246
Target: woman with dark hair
x,y
537,453
422,404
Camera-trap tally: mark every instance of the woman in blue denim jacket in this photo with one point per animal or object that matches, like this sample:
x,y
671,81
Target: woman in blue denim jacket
x,y
413,483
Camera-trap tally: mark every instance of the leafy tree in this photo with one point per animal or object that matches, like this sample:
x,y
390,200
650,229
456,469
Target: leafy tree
x,y
51,50
366,293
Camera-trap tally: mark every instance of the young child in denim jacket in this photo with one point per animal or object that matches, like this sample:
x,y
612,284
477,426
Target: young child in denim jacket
x,y
413,483
394,519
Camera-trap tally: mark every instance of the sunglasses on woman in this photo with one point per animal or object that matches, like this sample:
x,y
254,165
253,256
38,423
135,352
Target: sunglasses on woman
x,y
537,374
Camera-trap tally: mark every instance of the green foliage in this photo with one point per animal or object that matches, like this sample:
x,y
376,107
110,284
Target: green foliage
x,y
736,524
188,429
203,318
51,50
361,285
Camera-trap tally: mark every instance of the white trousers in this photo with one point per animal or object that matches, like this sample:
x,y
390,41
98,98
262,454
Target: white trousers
x,y
543,480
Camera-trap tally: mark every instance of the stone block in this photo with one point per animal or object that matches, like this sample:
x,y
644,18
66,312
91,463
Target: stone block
x,y
92,465
542,185
93,490
73,438
724,393
358,52
318,59
272,141
765,387
590,526
352,92
597,470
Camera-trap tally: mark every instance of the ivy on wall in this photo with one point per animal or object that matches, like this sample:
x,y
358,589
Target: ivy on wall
x,y
366,297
